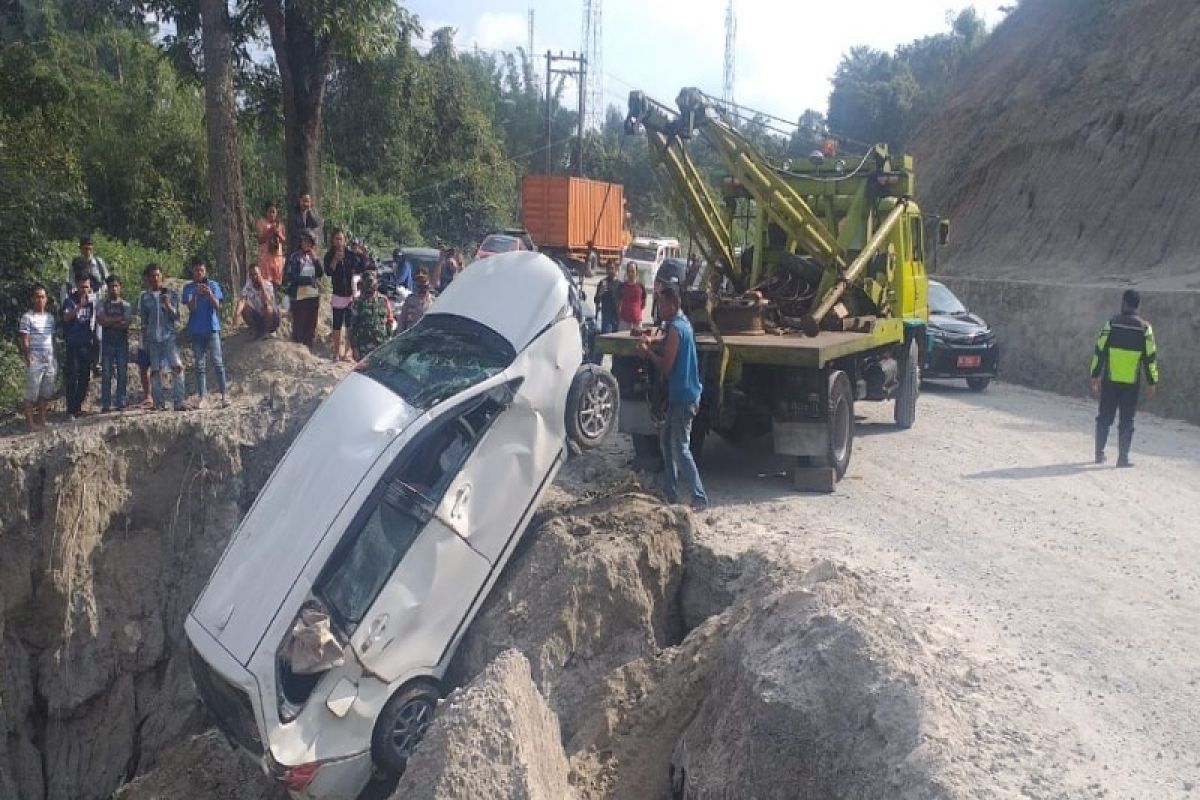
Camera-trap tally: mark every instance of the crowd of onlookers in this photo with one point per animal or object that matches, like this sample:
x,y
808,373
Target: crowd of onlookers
x,y
95,317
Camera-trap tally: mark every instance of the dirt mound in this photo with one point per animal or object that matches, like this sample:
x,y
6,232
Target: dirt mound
x,y
1064,152
594,589
109,529
202,767
494,738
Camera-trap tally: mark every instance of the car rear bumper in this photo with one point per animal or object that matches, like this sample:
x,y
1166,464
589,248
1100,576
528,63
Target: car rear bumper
x,y
949,361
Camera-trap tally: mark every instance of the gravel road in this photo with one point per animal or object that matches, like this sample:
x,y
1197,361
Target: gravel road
x,y
1078,585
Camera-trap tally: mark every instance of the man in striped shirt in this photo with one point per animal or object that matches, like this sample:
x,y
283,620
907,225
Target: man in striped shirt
x,y
1124,351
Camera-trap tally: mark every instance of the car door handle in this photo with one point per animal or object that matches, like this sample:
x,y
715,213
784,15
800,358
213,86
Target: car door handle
x,y
460,499
375,632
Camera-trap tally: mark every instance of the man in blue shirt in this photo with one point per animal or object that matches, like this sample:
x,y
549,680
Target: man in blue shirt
x,y
674,355
203,298
79,335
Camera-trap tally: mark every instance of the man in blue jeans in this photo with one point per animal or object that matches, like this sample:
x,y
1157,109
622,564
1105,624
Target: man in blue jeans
x,y
115,317
674,355
203,298
158,308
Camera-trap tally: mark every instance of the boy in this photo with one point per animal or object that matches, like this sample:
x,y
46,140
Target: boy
x,y
79,334
35,333
114,317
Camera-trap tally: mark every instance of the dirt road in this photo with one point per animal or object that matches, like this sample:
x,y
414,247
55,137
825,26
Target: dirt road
x,y
1078,585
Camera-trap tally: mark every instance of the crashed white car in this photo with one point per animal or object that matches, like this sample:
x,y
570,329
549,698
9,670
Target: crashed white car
x,y
320,640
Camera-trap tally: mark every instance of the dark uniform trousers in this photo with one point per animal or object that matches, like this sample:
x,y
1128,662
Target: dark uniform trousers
x,y
1114,398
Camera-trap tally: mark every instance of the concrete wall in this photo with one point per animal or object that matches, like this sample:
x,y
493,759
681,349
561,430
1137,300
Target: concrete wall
x,y
1047,333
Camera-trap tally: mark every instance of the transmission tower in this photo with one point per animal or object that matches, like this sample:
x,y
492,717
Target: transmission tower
x,y
593,46
730,39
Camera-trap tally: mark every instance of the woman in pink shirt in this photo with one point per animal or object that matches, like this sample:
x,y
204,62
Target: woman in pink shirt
x,y
271,240
633,299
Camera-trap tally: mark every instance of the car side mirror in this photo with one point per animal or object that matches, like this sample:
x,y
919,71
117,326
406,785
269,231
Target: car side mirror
x,y
943,232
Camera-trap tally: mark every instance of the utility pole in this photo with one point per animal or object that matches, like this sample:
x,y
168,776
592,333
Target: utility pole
x,y
730,39
593,51
579,72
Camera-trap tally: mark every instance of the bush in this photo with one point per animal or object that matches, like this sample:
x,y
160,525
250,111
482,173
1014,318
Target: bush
x,y
126,259
12,377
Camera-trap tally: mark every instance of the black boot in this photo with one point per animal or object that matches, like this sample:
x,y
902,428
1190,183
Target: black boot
x,y
1124,440
1101,442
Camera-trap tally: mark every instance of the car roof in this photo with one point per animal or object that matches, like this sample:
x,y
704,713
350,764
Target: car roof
x,y
518,295
500,236
421,251
936,283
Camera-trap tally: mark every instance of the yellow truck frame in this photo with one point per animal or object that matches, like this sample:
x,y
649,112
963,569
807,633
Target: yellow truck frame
x,y
845,230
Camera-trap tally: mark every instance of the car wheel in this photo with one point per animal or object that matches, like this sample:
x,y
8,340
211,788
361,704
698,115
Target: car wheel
x,y
401,726
592,406
978,384
841,424
910,383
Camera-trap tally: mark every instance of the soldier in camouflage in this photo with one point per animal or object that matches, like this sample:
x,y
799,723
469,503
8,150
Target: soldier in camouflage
x,y
372,320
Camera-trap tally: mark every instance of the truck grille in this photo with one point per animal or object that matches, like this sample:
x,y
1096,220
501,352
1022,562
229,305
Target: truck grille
x,y
229,705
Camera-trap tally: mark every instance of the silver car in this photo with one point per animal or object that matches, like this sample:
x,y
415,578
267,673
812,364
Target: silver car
x,y
321,639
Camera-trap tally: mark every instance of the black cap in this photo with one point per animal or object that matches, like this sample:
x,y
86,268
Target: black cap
x,y
1132,298
84,241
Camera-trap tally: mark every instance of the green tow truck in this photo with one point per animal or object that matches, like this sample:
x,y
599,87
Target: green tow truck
x,y
825,307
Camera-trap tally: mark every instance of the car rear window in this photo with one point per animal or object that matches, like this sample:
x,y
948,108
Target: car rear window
x,y
438,358
499,244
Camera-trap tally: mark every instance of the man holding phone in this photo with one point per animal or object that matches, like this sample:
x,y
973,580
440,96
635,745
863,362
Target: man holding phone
x,y
79,335
158,308
203,297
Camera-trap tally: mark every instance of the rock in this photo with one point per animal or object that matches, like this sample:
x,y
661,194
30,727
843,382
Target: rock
x,y
495,738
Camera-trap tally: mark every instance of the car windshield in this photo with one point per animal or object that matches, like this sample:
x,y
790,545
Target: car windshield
x,y
499,244
640,253
438,358
943,301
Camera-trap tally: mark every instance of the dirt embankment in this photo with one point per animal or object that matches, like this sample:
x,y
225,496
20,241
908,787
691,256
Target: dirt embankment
x,y
108,531
1064,153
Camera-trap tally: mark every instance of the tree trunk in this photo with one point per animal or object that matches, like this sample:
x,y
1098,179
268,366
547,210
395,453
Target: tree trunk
x,y
227,203
304,60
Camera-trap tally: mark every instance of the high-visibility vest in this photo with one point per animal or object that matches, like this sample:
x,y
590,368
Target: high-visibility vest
x,y
1125,347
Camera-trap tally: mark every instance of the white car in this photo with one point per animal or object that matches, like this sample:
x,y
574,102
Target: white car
x,y
321,637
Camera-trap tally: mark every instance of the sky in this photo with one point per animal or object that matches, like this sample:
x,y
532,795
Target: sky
x,y
785,55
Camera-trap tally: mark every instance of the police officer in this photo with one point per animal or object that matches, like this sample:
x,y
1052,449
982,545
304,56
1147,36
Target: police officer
x,y
1124,350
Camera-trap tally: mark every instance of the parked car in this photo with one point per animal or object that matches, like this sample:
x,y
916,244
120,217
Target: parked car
x,y
523,235
495,243
959,344
419,258
321,639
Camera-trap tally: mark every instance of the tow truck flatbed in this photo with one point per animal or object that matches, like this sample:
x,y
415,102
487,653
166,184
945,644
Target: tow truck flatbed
x,y
789,349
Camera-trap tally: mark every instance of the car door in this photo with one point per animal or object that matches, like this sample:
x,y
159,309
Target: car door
x,y
515,458
403,579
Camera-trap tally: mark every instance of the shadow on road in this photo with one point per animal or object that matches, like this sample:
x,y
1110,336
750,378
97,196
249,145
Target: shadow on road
x,y
1033,473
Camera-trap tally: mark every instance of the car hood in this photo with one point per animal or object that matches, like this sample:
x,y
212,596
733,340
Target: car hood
x,y
958,323
293,513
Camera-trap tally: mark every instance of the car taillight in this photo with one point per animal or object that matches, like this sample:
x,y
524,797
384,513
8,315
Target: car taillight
x,y
299,777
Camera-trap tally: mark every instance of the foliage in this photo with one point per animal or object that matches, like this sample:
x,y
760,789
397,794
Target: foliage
x,y
881,97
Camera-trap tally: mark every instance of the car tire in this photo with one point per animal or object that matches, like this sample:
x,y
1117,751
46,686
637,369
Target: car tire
x,y
841,424
978,384
592,406
402,724
910,387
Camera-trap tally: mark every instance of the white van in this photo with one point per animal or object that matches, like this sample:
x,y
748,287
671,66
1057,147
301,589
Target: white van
x,y
649,252
319,642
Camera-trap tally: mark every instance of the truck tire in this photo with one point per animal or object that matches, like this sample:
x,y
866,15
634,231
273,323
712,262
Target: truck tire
x,y
402,724
841,424
978,384
592,405
910,383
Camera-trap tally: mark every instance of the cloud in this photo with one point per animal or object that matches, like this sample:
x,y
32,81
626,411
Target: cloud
x,y
499,31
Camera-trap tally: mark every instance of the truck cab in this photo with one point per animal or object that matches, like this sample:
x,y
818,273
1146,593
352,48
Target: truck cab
x,y
648,253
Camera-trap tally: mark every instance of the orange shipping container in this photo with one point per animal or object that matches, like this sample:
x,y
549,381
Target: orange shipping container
x,y
563,214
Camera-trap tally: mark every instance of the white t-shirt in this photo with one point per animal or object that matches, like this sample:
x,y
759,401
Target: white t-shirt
x,y
40,329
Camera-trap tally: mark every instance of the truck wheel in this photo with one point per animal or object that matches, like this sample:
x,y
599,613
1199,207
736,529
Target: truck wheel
x,y
841,424
592,406
910,382
402,724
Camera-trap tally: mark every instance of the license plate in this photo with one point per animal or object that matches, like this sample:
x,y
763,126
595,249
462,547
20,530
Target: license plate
x,y
969,361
